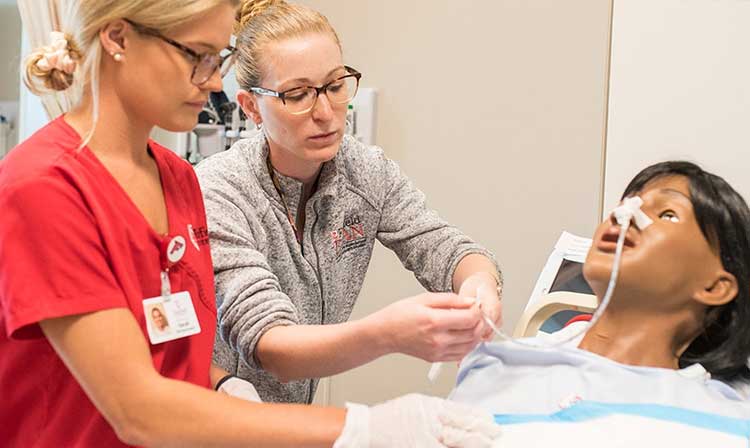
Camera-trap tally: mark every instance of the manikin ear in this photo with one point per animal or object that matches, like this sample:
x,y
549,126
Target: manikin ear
x,y
249,104
721,289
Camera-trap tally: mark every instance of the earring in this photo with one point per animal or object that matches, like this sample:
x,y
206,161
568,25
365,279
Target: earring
x,y
117,57
259,126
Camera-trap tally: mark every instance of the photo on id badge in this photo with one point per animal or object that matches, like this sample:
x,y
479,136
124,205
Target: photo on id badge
x,y
170,318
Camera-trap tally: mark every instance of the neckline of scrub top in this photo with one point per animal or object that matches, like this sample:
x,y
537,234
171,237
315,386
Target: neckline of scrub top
x,y
160,166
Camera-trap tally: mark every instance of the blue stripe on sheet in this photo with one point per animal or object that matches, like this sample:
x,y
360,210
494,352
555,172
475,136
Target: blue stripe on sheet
x,y
588,410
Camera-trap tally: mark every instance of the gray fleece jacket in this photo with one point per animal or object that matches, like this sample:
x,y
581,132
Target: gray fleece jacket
x,y
264,278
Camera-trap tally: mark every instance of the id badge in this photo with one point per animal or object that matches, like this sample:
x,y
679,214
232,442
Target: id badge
x,y
170,317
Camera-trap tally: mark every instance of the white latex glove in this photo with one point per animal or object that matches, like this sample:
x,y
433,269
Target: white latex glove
x,y
237,387
417,421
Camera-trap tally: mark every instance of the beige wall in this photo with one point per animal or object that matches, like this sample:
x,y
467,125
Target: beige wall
x,y
677,93
496,110
10,52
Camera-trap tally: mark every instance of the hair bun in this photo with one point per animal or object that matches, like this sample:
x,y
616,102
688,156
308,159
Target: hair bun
x,y
52,67
250,9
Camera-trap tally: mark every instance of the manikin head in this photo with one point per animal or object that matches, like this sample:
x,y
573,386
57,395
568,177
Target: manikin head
x,y
690,266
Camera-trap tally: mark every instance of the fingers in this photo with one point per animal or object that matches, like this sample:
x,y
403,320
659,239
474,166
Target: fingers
x,y
465,336
461,343
468,289
492,308
488,334
456,319
457,333
458,352
467,427
445,300
455,438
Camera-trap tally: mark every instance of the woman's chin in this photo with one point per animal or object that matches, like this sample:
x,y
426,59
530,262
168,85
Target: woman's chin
x,y
185,123
322,155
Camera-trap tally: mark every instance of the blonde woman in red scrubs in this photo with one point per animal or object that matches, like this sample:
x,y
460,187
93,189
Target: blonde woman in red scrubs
x,y
100,225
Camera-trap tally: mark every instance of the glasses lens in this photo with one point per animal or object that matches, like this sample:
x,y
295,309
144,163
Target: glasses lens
x,y
299,100
206,68
342,90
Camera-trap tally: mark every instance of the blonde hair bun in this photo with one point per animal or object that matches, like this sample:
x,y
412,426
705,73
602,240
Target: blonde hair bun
x,y
250,9
52,67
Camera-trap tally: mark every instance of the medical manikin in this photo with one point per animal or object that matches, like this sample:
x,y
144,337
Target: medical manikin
x,y
657,363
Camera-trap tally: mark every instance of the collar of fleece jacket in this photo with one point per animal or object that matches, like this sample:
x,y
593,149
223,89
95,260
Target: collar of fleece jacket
x,y
328,182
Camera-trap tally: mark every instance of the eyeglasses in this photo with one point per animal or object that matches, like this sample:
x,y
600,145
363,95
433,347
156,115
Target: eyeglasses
x,y
301,100
204,64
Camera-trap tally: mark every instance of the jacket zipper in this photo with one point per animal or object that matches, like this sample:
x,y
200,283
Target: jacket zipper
x,y
310,392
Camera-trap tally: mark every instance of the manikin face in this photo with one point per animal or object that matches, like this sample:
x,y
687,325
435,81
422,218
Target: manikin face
x,y
665,265
159,320
309,60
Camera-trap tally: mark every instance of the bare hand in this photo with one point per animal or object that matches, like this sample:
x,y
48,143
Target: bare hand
x,y
484,286
430,326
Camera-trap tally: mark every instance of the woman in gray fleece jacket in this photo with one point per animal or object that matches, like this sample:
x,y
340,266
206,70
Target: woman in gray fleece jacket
x,y
294,214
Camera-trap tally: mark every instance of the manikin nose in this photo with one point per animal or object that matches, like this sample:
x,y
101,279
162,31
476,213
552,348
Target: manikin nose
x,y
630,209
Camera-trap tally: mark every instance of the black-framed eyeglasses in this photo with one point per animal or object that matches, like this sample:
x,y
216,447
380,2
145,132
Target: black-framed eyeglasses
x,y
301,100
204,64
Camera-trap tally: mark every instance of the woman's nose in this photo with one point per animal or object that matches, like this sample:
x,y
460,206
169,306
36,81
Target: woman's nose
x,y
323,110
214,83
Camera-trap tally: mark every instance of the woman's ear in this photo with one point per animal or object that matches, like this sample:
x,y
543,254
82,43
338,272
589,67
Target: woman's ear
x,y
721,289
112,37
249,104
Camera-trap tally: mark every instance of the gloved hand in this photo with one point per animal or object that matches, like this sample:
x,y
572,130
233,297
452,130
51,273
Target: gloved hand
x,y
237,387
417,421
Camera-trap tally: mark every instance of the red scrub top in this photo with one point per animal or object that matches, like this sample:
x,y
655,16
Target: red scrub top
x,y
73,242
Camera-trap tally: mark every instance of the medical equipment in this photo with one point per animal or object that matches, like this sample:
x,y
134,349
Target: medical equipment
x,y
553,311
351,120
211,139
629,210
220,124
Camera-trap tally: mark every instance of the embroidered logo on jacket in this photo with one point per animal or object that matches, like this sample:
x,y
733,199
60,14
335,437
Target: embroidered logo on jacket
x,y
350,236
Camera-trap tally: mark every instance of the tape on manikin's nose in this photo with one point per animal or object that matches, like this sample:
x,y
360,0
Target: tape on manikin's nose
x,y
631,208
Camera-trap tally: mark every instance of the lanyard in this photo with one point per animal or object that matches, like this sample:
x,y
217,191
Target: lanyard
x,y
277,186
166,285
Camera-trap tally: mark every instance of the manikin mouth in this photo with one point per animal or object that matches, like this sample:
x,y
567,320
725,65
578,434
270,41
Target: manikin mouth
x,y
610,236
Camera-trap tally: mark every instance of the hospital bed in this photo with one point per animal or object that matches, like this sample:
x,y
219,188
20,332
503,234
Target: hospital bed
x,y
550,305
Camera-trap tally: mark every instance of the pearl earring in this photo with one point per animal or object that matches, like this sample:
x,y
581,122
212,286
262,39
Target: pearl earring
x,y
117,57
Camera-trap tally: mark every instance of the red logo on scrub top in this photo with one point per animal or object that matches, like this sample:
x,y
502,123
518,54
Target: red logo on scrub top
x,y
176,249
201,235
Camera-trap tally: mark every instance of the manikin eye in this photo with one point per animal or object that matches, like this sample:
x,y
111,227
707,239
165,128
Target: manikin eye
x,y
669,215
